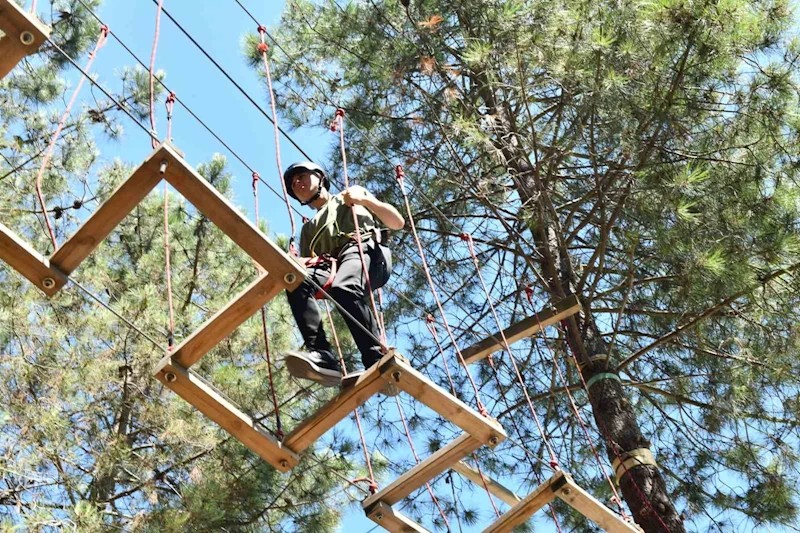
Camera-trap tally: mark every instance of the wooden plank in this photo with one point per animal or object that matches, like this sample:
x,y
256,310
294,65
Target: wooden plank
x,y
424,471
522,329
226,320
24,35
593,509
119,205
27,261
367,385
494,487
227,218
215,406
486,429
520,513
393,521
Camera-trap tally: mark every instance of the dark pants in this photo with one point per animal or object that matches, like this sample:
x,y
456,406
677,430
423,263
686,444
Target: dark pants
x,y
349,289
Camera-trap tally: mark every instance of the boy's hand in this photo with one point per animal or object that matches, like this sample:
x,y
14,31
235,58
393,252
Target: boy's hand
x,y
356,196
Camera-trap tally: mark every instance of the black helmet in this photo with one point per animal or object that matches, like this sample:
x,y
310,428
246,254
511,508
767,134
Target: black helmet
x,y
304,166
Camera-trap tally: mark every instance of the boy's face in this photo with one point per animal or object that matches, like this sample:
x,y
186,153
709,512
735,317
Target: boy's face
x,y
305,185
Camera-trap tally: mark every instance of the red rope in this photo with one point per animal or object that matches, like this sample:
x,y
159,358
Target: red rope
x,y
466,237
612,444
430,322
263,48
416,458
152,74
33,6
339,121
168,271
373,485
400,175
101,41
615,499
278,425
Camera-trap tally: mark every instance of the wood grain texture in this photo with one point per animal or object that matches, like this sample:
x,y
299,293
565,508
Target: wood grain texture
x,y
14,20
28,262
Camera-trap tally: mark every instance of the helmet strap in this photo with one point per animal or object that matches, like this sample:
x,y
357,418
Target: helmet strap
x,y
313,198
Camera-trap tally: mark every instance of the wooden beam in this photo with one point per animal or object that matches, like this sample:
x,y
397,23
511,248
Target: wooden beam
x,y
494,487
485,429
522,329
330,414
521,512
226,320
424,471
27,261
22,35
393,521
219,210
215,406
593,509
119,205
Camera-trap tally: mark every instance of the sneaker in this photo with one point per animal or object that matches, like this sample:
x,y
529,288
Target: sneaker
x,y
320,367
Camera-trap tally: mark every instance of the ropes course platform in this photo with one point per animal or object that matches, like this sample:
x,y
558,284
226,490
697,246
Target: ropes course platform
x,y
559,485
522,329
21,34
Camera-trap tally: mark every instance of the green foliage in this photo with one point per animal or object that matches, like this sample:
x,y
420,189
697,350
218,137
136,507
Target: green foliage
x,y
658,141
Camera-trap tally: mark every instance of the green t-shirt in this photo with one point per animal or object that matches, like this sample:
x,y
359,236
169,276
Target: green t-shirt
x,y
332,226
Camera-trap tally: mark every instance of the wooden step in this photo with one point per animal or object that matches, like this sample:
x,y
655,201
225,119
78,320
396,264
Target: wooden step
x,y
24,35
522,511
424,471
336,409
27,261
393,521
561,485
522,329
119,205
226,320
485,429
226,217
228,416
593,509
498,490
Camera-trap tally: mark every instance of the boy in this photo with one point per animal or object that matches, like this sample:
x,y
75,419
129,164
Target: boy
x,y
329,249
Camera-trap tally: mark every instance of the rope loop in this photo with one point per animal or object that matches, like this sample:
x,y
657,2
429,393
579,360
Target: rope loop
x,y
339,112
554,464
262,29
263,48
482,409
256,177
429,319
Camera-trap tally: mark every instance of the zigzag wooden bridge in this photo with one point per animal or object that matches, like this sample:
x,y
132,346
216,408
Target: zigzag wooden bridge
x,y
281,272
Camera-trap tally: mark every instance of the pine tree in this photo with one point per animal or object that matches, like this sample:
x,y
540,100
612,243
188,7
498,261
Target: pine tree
x,y
89,440
642,156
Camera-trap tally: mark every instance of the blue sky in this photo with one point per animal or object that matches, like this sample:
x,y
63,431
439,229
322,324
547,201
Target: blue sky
x,y
219,26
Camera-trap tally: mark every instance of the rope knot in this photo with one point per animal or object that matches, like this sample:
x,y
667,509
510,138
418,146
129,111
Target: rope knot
x,y
490,359
482,409
256,177
466,237
104,30
262,29
263,48
373,487
429,319
339,112
280,434
171,98
529,294
553,463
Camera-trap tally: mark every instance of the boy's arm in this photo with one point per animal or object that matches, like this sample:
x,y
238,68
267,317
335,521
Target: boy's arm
x,y
386,213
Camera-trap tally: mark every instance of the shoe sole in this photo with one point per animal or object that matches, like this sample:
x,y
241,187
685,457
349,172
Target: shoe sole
x,y
302,368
